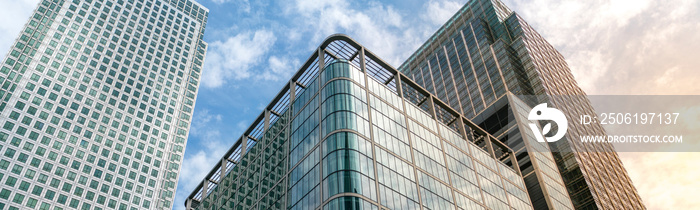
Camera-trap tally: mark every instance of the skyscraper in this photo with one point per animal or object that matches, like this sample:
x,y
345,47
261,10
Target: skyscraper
x,y
383,140
483,56
96,98
351,132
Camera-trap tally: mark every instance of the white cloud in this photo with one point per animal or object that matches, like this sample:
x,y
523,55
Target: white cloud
x,y
279,69
311,6
233,58
389,16
440,11
624,10
192,172
209,143
241,5
200,124
13,16
593,64
665,180
380,28
622,47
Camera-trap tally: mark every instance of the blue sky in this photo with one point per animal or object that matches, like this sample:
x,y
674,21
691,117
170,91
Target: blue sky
x,y
612,46
255,47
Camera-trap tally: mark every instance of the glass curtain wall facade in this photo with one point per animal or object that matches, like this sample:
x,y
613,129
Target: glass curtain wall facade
x,y
507,120
350,132
95,103
486,51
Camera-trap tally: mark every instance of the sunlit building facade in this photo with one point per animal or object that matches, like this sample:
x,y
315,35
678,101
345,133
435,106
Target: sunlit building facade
x,y
96,98
487,63
351,132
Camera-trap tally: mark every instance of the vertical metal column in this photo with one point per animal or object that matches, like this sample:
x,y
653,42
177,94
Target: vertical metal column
x,y
321,64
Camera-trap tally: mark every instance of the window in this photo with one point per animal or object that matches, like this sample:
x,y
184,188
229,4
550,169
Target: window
x,y
49,194
62,199
37,190
55,183
14,115
5,194
67,187
31,203
47,167
26,120
42,178
29,174
24,186
10,181
8,126
10,153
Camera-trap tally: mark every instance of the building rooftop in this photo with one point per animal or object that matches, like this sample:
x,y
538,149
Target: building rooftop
x,y
342,47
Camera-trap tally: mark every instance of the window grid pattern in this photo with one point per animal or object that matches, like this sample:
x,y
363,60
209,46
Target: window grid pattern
x,y
96,102
352,137
485,51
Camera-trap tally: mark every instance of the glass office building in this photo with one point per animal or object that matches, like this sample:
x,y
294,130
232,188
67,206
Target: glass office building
x,y
96,98
482,58
351,132
507,120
